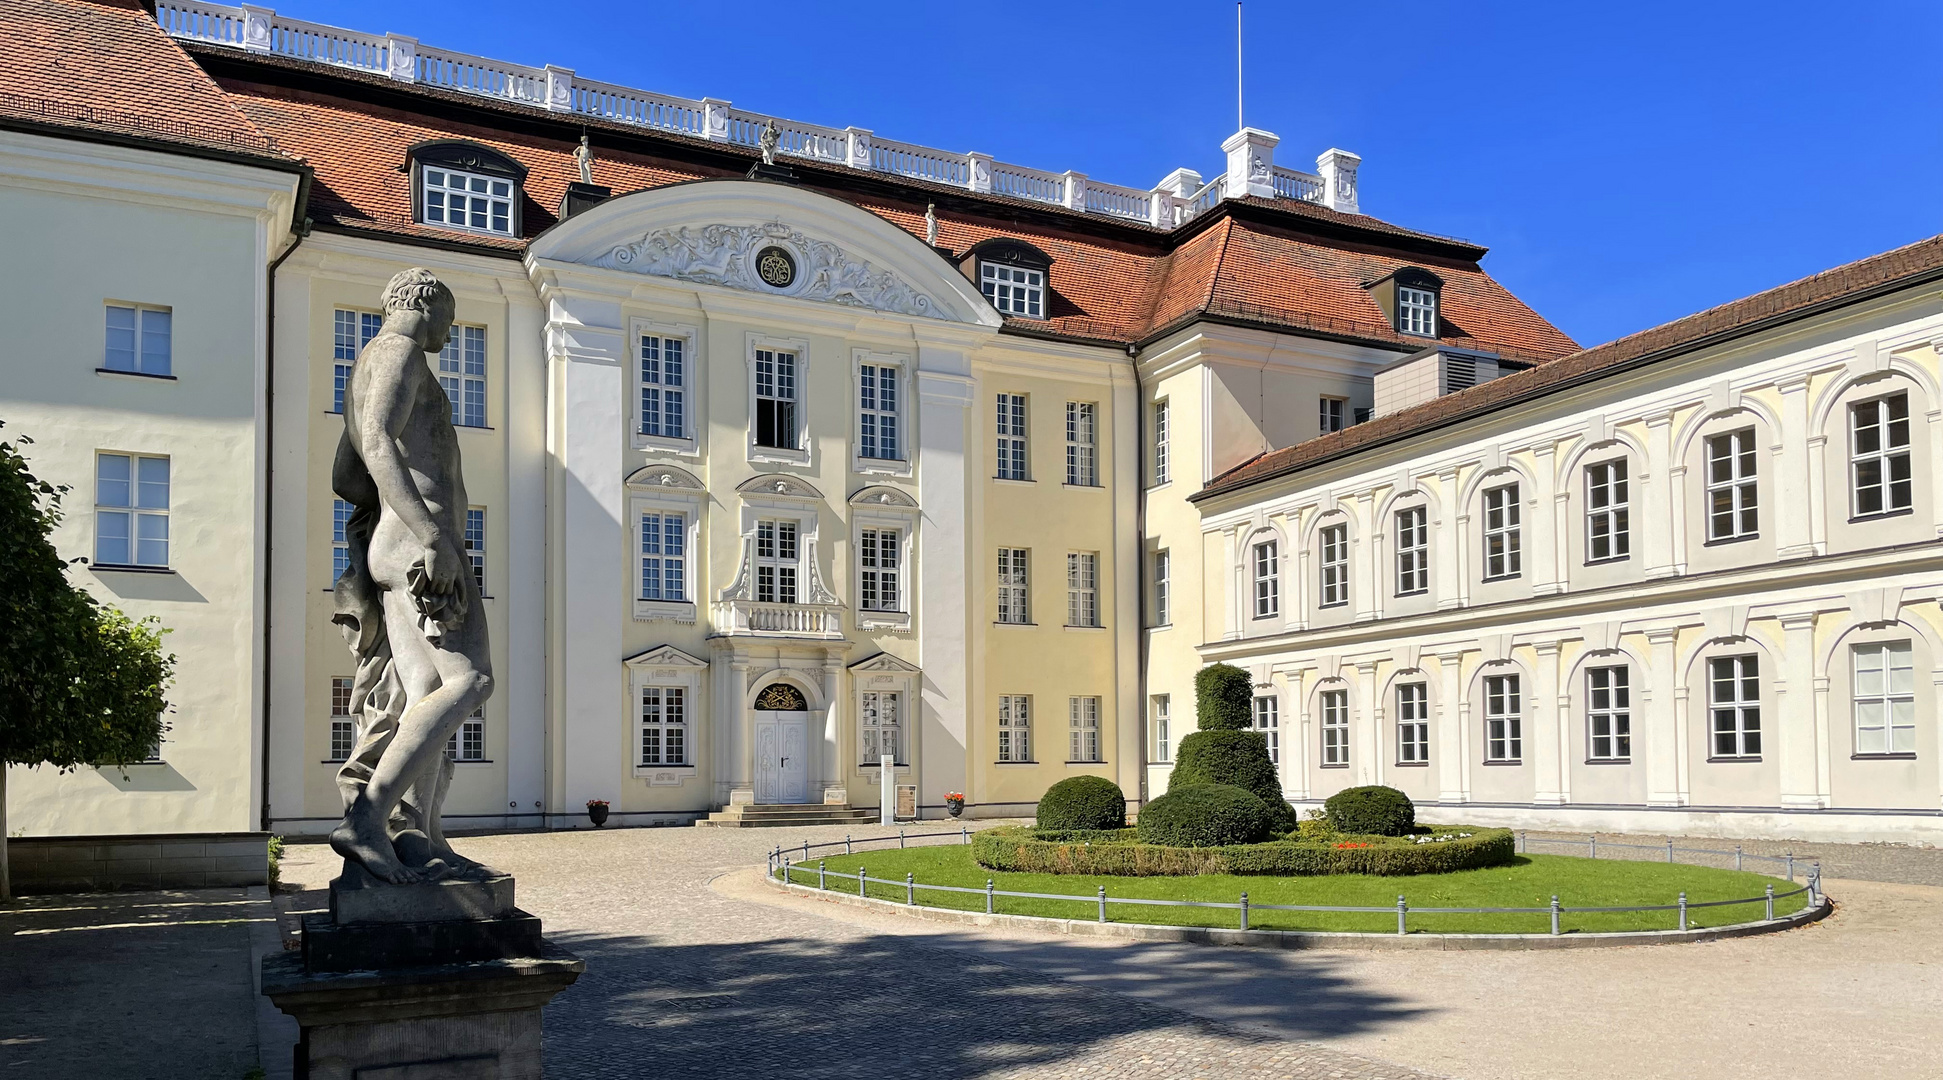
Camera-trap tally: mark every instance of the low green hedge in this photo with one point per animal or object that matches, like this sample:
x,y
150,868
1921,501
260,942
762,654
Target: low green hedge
x,y
1204,815
1021,849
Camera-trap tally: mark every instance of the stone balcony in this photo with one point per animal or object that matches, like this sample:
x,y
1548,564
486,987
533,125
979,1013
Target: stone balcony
x,y
750,618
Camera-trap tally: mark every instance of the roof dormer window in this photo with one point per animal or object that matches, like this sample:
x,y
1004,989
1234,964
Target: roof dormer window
x,y
1012,275
1410,297
463,185
1416,311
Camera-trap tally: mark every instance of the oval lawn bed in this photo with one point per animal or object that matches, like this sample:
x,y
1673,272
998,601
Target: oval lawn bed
x,y
1525,881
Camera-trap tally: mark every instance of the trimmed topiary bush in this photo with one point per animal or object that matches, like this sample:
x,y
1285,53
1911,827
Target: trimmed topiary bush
x,y
1371,811
1083,802
1018,849
1224,698
1204,815
1236,758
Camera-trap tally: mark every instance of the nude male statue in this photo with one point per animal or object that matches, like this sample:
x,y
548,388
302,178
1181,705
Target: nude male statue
x,y
407,605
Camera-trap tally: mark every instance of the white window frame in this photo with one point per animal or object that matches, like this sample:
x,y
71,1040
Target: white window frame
x,y
1083,588
141,358
1013,420
1504,718
463,381
1607,517
1082,444
1609,713
475,545
662,501
872,706
1413,723
663,333
880,563
1083,731
1162,463
467,745
343,730
866,371
800,348
1163,588
1332,565
1884,458
137,516
1332,413
496,192
1738,485
1162,706
787,580
351,331
1015,729
1018,291
661,710
1503,517
871,514
1412,550
1265,568
1416,311
1014,586
1267,718
665,668
1885,707
1333,705
341,512
1733,714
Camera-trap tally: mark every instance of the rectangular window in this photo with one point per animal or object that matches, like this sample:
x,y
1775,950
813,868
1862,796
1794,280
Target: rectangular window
x,y
1014,290
1163,734
138,340
664,725
1268,581
1333,568
1082,453
1160,442
1011,437
1082,588
776,399
1268,721
1332,412
1084,719
469,742
1501,533
776,563
1163,602
463,200
476,545
1413,723
340,539
878,726
877,555
351,331
1417,311
1608,533
1504,720
131,510
1885,698
1734,705
1012,586
462,372
344,726
877,412
664,387
1413,550
664,556
1879,454
1609,714
1732,508
1335,727
1015,727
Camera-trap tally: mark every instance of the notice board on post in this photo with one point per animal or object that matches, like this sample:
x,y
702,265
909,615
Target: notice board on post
x,y
907,802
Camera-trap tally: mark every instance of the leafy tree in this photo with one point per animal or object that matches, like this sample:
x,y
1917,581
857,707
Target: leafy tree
x,y
80,682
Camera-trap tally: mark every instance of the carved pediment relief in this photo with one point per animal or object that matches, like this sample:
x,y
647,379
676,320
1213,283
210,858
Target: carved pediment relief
x,y
664,656
664,476
777,485
885,662
880,495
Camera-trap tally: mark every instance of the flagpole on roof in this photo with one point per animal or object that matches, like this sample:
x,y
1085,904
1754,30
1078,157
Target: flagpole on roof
x,y
1238,120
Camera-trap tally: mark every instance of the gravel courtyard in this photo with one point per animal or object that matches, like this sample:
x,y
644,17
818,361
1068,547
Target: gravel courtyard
x,y
695,968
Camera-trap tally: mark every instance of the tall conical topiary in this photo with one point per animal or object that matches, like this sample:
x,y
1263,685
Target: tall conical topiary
x,y
1224,751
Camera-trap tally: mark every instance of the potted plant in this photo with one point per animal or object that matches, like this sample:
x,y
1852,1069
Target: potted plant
x,y
955,802
597,811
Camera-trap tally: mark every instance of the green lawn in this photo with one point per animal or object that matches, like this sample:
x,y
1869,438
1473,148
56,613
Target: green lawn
x,y
1527,881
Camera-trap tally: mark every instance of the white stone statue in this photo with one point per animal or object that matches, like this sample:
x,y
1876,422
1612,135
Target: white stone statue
x,y
407,605
770,141
931,224
583,156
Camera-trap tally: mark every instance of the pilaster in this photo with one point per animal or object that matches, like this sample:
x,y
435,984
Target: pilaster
x,y
1551,784
1658,731
1793,468
1452,752
1654,524
1367,756
1796,740
1546,545
945,391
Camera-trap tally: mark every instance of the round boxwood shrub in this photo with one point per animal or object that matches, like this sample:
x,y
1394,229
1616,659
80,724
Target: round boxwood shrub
x,y
1371,811
1239,759
1204,815
1224,698
1083,802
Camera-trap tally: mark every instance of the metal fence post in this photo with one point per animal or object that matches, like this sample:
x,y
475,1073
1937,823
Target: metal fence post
x,y
861,891
964,832
822,882
1737,856
1815,885
1402,908
1791,865
846,843
1592,847
1683,909
910,890
1555,915
1521,841
1669,849
1244,911
1102,903
806,851
900,839
988,896
1770,915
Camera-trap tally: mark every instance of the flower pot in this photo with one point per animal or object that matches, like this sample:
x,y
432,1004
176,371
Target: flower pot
x,y
598,814
954,807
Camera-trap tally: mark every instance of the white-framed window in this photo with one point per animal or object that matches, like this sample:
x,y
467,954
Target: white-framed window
x,y
138,339
1413,550
1267,563
664,386
776,422
1014,290
1163,742
1012,437
1082,447
1413,723
1416,311
664,556
1885,698
462,372
340,539
776,561
1502,545
664,725
879,723
1734,705
1012,586
1163,601
1333,412
344,726
351,331
1504,719
1733,506
1335,728
1082,588
476,545
469,742
463,200
1608,532
131,510
1160,442
1609,713
1084,729
878,555
877,412
1268,721
1879,455
1015,727
1333,567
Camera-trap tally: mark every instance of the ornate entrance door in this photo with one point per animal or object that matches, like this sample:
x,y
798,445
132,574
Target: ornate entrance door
x,y
782,764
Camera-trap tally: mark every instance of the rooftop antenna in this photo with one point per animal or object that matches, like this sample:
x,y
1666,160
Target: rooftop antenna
x,y
1238,121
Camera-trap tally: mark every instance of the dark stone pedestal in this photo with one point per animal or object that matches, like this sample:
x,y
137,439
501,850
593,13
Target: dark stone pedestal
x,y
776,171
581,197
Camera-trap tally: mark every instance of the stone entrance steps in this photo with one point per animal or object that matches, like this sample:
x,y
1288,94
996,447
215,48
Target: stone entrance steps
x,y
776,815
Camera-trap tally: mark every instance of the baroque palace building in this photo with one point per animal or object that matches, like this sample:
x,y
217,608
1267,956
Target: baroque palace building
x,y
883,449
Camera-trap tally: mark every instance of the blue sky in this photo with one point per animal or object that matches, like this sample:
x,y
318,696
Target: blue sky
x,y
1626,164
